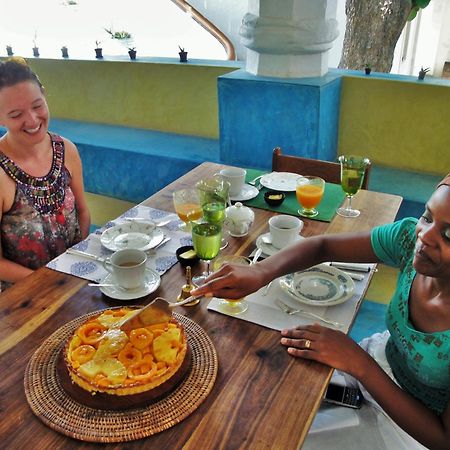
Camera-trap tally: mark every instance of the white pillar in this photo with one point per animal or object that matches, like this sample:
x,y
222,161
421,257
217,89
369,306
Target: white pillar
x,y
289,38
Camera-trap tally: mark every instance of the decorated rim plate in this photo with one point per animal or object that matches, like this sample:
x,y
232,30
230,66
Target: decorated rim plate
x,y
269,249
280,181
135,235
151,283
247,192
321,285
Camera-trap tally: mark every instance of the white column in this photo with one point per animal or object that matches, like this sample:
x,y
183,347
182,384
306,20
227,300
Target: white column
x,y
289,38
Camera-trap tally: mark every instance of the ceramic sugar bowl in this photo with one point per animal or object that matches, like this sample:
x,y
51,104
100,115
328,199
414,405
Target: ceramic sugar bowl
x,y
239,219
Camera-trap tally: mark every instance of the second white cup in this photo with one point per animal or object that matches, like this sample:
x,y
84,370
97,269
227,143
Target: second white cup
x,y
236,177
284,230
127,267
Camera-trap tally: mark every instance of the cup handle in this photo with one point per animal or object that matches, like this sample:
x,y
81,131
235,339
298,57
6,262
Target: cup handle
x,y
108,269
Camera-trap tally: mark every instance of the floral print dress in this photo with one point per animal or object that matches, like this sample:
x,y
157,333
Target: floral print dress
x,y
42,222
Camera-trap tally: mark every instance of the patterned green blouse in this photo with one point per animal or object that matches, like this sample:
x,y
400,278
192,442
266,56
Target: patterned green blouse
x,y
420,361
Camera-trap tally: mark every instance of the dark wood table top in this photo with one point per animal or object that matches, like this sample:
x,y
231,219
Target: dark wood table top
x,y
262,397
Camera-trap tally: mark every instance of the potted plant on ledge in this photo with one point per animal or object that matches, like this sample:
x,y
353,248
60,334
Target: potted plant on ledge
x,y
64,51
367,69
9,50
423,72
183,54
98,50
35,46
132,52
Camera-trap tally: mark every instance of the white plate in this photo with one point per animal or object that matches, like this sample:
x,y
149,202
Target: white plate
x,y
247,192
136,235
320,285
280,181
269,249
152,282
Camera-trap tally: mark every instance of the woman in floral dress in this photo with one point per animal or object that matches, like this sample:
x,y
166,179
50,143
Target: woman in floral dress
x,y
43,210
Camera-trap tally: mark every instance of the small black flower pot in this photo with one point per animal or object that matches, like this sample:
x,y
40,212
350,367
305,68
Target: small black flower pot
x,y
64,52
132,54
183,56
367,70
36,51
98,53
421,76
9,50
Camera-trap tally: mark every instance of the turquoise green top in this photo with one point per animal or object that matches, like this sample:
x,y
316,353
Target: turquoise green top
x,y
420,361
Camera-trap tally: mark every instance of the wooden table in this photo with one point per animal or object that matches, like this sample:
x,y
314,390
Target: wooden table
x,y
262,398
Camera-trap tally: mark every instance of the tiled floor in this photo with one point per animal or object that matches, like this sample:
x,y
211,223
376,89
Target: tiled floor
x,y
371,316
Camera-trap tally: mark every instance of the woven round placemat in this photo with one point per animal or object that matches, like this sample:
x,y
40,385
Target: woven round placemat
x,y
50,402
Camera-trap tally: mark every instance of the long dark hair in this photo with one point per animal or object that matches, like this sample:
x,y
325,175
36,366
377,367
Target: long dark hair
x,y
16,70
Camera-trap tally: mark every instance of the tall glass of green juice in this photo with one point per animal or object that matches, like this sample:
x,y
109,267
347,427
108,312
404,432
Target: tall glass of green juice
x,y
206,238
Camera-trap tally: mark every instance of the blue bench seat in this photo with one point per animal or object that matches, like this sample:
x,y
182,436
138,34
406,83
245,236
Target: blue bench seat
x,y
132,163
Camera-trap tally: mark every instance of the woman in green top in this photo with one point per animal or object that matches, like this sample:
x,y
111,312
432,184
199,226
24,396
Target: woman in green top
x,y
413,387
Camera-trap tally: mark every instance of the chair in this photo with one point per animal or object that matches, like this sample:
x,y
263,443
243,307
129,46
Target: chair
x,y
329,171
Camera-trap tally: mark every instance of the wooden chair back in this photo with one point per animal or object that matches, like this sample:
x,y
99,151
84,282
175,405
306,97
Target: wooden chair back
x,y
329,171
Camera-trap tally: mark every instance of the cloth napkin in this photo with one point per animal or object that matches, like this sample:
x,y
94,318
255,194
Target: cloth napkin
x,y
161,259
331,201
263,310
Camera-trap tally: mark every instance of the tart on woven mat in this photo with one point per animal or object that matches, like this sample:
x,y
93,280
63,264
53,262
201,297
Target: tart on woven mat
x,y
106,367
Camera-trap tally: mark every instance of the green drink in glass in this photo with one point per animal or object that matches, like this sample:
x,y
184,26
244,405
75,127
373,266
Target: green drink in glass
x,y
206,238
353,169
214,212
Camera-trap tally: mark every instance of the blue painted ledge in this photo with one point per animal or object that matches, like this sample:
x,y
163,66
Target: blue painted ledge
x,y
131,163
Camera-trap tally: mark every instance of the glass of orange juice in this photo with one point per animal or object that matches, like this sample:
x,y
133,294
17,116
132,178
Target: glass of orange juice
x,y
228,305
309,193
187,206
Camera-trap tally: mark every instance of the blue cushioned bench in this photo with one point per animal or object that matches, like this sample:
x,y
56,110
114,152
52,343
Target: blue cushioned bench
x,y
415,188
131,163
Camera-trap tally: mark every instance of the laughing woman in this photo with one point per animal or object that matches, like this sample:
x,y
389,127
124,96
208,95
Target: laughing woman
x,y
404,372
43,210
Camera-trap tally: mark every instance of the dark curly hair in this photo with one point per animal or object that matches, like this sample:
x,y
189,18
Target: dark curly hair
x,y
16,70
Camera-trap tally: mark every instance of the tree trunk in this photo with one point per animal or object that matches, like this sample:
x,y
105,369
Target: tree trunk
x,y
372,31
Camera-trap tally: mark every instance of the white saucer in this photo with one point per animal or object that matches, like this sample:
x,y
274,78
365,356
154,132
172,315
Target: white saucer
x,y
321,285
152,282
135,235
280,181
247,192
269,249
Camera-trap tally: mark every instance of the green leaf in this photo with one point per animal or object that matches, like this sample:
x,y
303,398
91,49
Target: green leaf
x,y
413,14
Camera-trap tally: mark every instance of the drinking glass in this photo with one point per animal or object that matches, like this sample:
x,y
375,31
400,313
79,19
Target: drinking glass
x,y
309,192
352,176
214,197
206,238
187,206
228,305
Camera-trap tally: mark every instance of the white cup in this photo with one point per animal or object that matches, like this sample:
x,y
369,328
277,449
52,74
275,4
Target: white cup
x,y
127,267
236,177
284,230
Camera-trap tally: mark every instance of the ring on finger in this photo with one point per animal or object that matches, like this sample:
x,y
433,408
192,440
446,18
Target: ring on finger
x,y
307,343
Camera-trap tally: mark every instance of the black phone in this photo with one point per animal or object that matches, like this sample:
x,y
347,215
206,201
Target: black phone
x,y
343,395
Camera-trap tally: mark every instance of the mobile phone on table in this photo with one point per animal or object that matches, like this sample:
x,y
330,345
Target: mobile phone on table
x,y
343,395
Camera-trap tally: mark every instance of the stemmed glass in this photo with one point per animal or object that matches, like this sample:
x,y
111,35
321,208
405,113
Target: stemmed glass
x,y
206,238
309,192
352,176
214,197
187,206
228,305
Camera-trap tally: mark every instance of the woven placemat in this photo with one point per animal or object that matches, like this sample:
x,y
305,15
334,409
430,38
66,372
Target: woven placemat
x,y
50,402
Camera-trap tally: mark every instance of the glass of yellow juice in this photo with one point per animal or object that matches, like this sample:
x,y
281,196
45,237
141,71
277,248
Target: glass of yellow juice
x,y
229,305
187,206
309,192
353,169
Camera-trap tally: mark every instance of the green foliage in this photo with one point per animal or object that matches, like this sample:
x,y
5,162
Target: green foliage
x,y
415,6
120,35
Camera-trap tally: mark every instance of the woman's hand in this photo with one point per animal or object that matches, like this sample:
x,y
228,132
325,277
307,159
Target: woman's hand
x,y
325,345
232,282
